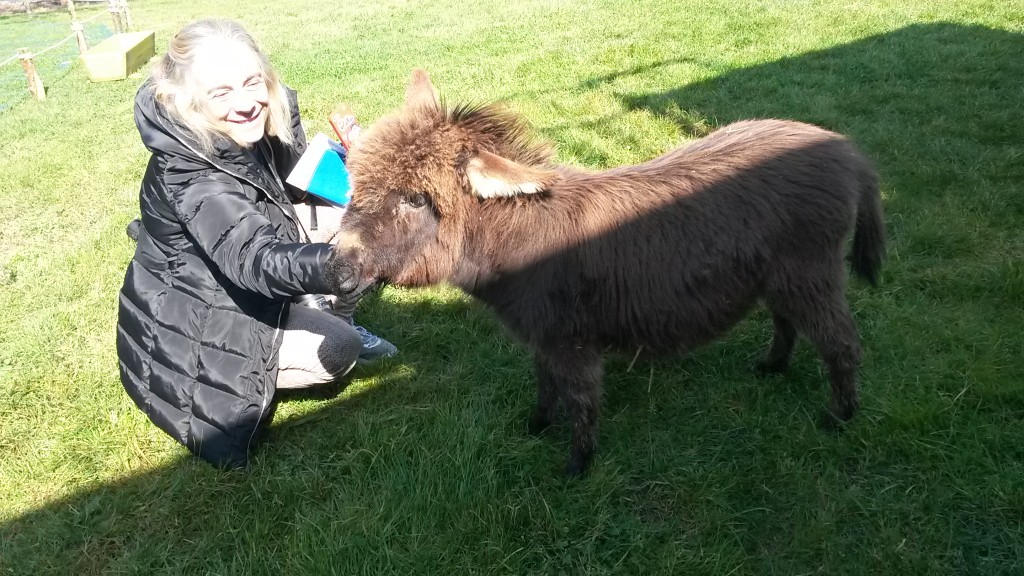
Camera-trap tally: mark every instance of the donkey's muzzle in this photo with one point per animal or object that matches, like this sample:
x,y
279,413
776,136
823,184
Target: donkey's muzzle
x,y
342,272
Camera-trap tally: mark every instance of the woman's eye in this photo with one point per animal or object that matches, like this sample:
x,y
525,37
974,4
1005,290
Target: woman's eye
x,y
254,83
417,200
219,95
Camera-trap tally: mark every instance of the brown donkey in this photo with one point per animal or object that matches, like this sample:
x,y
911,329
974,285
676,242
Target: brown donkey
x,y
660,257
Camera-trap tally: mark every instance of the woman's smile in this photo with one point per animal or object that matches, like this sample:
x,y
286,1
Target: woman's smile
x,y
236,92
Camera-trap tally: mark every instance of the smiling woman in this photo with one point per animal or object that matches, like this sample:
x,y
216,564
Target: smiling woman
x,y
217,81
206,332
240,106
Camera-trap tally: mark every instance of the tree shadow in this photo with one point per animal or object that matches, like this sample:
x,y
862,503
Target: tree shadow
x,y
919,100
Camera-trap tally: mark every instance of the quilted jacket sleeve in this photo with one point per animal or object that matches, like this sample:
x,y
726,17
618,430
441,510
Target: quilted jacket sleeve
x,y
229,228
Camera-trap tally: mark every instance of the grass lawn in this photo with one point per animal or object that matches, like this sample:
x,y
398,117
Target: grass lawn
x,y
422,465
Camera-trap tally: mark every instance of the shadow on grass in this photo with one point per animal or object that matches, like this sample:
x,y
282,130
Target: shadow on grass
x,y
935,105
177,517
931,103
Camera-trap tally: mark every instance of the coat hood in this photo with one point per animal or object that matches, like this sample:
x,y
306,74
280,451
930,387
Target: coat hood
x,y
159,132
162,134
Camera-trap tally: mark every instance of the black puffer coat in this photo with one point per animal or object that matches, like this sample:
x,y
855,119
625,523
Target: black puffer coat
x,y
204,298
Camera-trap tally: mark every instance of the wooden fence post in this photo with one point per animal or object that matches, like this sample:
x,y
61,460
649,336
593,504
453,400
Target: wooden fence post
x,y
115,15
35,83
126,15
79,31
77,28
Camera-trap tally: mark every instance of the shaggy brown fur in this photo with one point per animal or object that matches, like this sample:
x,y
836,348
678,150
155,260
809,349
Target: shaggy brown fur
x,y
663,256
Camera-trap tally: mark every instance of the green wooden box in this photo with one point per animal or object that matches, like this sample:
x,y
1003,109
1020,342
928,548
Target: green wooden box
x,y
118,56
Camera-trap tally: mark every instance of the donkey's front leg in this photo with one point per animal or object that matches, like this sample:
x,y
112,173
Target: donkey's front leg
x,y
576,371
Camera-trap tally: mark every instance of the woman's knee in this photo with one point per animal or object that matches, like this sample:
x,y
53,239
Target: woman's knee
x,y
340,349
317,348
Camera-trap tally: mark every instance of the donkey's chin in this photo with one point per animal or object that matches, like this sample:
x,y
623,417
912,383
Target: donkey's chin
x,y
358,284
368,284
349,298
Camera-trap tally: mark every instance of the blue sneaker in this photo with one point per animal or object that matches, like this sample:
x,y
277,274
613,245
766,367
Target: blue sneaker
x,y
374,347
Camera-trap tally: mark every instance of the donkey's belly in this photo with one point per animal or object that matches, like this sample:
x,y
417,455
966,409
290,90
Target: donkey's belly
x,y
673,323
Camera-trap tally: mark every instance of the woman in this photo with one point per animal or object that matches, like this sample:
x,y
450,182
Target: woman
x,y
206,334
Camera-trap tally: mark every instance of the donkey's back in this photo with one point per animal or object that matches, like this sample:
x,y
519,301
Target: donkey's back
x,y
758,209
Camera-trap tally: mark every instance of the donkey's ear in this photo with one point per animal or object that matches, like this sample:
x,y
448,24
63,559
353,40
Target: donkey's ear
x,y
420,91
491,176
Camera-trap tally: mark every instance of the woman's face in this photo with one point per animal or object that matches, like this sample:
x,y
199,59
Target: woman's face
x,y
231,85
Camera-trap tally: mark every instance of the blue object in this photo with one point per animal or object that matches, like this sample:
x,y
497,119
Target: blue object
x,y
331,180
321,171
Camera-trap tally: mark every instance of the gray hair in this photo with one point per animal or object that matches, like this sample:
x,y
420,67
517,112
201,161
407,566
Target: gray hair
x,y
175,88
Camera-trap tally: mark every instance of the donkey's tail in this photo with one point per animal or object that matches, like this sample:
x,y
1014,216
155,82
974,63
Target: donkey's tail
x,y
869,235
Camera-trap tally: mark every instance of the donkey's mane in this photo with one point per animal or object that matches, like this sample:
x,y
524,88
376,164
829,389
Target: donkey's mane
x,y
496,128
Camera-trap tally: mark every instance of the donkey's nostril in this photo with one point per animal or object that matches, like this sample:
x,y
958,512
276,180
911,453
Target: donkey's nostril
x,y
342,273
348,279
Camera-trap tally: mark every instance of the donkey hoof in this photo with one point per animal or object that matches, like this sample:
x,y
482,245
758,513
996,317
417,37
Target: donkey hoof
x,y
538,424
578,465
835,418
828,422
770,367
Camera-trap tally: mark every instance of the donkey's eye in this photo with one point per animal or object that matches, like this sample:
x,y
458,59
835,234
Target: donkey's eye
x,y
417,200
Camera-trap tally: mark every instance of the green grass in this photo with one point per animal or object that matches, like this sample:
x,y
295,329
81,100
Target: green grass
x,y
422,465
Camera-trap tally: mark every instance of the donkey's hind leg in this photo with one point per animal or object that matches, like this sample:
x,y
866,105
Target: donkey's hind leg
x,y
776,361
816,307
836,339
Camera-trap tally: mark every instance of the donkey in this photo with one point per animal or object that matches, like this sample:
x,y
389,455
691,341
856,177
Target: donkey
x,y
661,257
